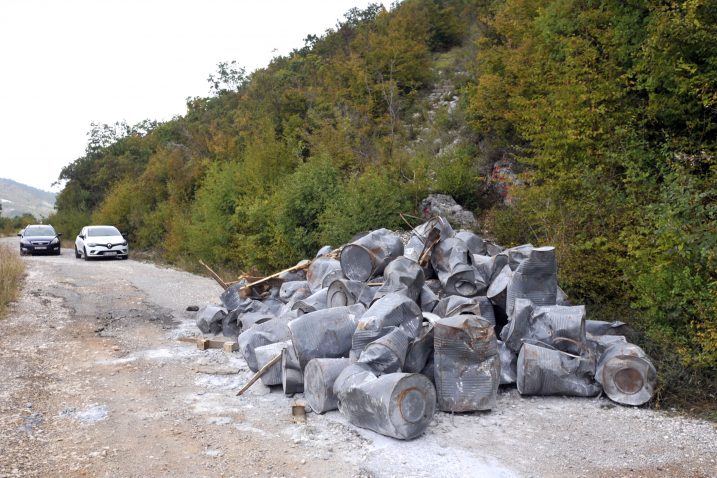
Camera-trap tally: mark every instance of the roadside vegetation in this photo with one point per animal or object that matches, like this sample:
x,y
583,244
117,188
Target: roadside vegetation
x,y
11,273
607,109
10,226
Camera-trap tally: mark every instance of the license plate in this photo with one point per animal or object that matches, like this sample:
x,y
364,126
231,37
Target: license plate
x,y
40,248
111,253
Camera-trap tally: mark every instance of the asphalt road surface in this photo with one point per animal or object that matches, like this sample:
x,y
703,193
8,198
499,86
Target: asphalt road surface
x,y
94,382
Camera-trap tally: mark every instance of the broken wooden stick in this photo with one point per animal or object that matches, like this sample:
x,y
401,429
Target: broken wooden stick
x,y
259,373
215,276
301,265
425,255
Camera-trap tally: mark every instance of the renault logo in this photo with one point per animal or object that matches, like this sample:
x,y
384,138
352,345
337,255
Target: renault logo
x,y
109,246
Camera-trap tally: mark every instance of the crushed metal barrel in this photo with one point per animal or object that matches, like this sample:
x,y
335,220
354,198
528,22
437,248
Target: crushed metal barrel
x,y
467,366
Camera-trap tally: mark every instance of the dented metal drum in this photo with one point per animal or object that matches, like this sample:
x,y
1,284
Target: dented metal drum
x,y
535,279
399,405
421,348
599,327
427,299
557,325
369,255
386,354
498,289
456,305
402,276
289,290
452,262
467,366
231,327
343,292
318,270
275,330
392,310
423,238
475,243
547,371
319,377
250,319
209,319
325,333
518,254
626,374
314,302
231,297
325,250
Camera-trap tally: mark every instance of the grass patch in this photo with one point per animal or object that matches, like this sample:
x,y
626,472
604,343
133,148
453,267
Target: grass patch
x,y
11,272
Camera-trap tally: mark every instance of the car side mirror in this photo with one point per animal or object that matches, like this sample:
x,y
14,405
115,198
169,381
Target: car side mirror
x,y
81,236
59,234
124,234
19,234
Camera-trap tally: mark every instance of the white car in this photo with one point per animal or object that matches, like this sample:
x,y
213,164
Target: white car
x,y
100,241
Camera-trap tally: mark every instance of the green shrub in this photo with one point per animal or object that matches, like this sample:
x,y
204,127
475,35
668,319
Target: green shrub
x,y
211,229
370,201
456,174
69,222
305,195
672,265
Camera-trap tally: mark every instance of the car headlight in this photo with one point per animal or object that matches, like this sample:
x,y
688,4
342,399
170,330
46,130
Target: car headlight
x,y
124,243
92,244
54,241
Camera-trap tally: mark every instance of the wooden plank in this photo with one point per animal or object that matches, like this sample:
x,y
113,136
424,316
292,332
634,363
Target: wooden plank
x,y
215,276
226,345
247,288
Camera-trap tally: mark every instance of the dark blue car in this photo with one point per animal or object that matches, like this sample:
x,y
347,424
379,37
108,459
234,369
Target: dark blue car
x,y
39,239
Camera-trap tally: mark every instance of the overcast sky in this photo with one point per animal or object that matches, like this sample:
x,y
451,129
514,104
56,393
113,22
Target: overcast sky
x,y
65,64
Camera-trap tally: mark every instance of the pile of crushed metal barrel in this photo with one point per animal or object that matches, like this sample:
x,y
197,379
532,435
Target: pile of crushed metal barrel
x,y
387,332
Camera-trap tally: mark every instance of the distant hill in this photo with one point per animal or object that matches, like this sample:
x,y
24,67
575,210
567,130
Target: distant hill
x,y
18,199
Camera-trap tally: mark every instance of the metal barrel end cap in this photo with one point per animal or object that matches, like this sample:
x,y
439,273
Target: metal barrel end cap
x,y
629,380
357,262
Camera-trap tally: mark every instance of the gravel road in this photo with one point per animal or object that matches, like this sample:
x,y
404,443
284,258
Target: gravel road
x,y
93,382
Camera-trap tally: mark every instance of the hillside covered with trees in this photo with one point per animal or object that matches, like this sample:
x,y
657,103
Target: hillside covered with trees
x,y
606,109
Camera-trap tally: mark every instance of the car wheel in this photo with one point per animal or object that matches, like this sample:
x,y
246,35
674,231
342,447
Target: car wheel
x,y
77,254
124,258
58,253
84,254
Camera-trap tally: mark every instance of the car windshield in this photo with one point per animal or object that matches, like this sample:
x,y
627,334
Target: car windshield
x,y
102,231
39,231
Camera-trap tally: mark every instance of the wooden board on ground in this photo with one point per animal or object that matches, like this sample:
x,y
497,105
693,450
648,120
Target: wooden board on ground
x,y
204,344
